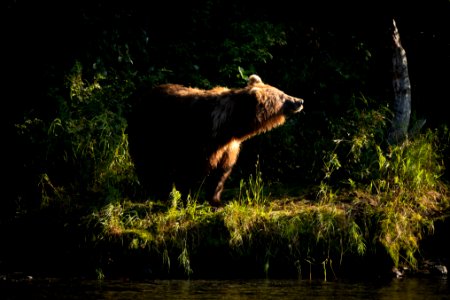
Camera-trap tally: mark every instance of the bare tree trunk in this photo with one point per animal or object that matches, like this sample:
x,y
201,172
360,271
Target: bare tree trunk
x,y
402,91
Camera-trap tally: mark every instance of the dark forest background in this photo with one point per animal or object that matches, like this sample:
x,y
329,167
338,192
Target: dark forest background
x,y
69,66
326,52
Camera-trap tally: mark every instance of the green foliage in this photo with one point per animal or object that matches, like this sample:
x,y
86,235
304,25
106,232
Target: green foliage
x,y
87,143
411,194
150,226
398,186
100,274
248,45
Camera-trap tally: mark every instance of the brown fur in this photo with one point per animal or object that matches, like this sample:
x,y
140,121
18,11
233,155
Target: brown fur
x,y
182,135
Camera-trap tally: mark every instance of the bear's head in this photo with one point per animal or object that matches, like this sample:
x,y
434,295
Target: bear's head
x,y
273,105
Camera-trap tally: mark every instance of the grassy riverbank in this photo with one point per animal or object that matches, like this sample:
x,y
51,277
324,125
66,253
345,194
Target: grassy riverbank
x,y
290,238
284,237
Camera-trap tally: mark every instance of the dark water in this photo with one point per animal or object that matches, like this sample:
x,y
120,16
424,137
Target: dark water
x,y
395,289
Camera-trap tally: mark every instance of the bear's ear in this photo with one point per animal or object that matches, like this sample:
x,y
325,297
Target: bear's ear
x,y
257,92
254,79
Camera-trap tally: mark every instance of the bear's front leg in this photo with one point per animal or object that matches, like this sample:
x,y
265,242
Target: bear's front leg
x,y
215,185
221,163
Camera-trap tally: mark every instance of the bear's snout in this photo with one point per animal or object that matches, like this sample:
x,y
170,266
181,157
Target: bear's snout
x,y
293,105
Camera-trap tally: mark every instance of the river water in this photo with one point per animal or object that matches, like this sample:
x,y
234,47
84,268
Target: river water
x,y
395,289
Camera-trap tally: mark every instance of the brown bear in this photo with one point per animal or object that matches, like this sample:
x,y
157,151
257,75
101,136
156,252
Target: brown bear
x,y
190,138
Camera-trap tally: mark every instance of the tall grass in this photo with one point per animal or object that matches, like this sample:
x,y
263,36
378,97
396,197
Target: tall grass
x,y
86,141
251,191
410,195
395,187
303,233
167,231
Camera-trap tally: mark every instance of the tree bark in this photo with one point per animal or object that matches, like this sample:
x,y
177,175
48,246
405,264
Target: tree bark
x,y
402,91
